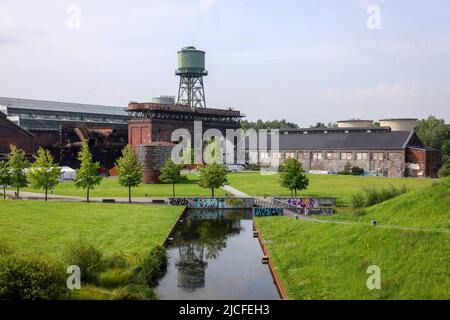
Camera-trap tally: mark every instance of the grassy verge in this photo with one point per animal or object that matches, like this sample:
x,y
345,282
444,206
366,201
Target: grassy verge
x,y
110,188
341,187
123,233
329,261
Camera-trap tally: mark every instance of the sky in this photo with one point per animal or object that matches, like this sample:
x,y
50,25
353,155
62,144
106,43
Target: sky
x,y
304,61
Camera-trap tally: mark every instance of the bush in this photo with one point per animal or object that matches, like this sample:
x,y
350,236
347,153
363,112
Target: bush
x,y
86,256
152,268
444,171
357,171
113,278
371,196
31,278
358,200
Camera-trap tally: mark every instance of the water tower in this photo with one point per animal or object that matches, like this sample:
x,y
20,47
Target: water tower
x,y
191,69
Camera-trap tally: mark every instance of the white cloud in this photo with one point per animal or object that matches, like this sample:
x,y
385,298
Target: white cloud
x,y
207,4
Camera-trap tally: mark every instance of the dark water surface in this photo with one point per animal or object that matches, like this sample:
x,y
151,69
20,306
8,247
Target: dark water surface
x,y
214,256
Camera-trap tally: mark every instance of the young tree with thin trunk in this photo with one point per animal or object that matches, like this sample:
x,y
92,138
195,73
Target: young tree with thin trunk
x,y
87,177
5,177
292,176
44,173
129,169
171,173
17,163
213,176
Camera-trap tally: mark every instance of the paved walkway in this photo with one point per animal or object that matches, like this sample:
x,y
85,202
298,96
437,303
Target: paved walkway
x,y
235,192
52,197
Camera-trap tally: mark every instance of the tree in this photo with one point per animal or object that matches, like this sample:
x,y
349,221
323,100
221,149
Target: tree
x,y
433,132
130,169
44,173
171,173
293,176
17,163
5,177
274,124
213,176
445,151
87,177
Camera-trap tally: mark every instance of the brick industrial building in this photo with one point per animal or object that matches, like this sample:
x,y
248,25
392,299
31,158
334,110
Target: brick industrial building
x,y
61,127
377,150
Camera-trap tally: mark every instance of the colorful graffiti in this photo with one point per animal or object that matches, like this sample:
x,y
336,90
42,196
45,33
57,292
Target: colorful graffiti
x,y
308,202
267,212
213,203
319,211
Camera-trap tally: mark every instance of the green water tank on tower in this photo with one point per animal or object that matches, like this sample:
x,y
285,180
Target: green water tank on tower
x,y
191,62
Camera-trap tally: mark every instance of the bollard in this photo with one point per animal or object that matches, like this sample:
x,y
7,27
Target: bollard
x,y
255,234
265,259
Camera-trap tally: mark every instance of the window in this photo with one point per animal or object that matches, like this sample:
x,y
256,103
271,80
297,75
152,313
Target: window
x,y
346,156
303,155
276,155
377,156
317,155
264,155
331,156
288,155
394,155
361,156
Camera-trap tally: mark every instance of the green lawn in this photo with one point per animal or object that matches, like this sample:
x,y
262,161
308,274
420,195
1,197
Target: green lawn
x,y
427,207
45,228
329,261
110,188
341,187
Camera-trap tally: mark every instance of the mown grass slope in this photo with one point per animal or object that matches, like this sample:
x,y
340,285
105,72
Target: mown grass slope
x,y
330,261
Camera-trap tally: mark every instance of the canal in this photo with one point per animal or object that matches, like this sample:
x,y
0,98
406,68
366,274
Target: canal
x,y
214,256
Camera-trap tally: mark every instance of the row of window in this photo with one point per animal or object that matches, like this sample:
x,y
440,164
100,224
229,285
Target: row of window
x,y
332,155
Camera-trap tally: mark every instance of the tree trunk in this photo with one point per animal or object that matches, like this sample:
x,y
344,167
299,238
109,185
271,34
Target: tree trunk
x,y
173,189
87,198
4,192
129,194
212,192
46,192
295,192
18,192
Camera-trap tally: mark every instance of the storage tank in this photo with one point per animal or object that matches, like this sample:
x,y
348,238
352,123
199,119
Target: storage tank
x,y
355,123
191,61
164,100
405,124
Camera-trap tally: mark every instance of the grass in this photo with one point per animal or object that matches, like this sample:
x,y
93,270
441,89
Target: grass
x,y
129,231
110,188
329,261
427,207
45,228
341,187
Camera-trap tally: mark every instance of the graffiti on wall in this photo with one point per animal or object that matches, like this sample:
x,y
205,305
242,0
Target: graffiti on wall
x,y
308,202
213,203
319,211
267,212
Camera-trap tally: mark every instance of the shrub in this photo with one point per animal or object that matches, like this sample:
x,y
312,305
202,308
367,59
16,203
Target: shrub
x,y
152,268
374,196
86,256
31,278
116,260
444,171
358,200
357,171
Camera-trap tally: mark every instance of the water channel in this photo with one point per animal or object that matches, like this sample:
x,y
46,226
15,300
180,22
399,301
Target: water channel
x,y
214,256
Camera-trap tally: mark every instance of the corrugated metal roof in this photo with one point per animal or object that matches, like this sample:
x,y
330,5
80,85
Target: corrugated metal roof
x,y
61,106
348,141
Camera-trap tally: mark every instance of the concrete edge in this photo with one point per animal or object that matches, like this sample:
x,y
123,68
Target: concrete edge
x,y
281,290
174,227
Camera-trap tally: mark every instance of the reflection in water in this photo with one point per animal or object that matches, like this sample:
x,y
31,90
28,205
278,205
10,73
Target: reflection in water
x,y
214,256
204,231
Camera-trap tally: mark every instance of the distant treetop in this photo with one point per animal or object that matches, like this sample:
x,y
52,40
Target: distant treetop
x,y
269,124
